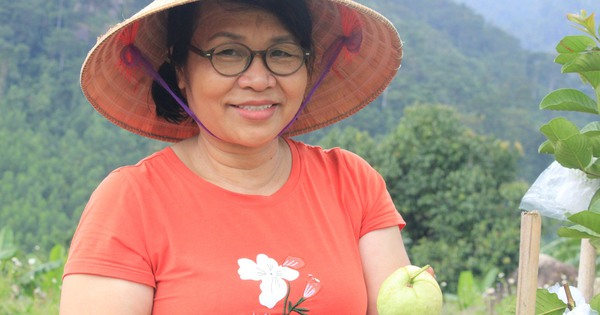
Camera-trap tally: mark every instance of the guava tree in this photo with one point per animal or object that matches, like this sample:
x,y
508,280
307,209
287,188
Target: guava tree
x,y
457,191
572,147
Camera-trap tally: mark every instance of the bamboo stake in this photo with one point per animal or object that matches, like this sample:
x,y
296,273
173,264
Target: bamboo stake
x,y
587,269
529,257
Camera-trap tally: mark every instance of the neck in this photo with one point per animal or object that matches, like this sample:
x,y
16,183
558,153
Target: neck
x,y
258,170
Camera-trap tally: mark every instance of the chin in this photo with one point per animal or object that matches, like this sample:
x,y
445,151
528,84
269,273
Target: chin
x,y
254,139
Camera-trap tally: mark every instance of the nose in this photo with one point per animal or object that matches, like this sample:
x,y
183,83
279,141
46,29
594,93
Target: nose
x,y
257,76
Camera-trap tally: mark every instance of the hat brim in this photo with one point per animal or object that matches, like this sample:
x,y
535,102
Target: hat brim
x,y
122,94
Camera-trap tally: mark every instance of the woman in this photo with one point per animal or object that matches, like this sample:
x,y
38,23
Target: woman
x,y
236,217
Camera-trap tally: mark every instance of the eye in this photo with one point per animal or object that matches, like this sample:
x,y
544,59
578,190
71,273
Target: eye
x,y
285,51
230,51
227,52
279,53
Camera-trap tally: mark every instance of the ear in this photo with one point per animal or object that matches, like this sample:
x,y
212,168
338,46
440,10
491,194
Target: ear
x,y
182,80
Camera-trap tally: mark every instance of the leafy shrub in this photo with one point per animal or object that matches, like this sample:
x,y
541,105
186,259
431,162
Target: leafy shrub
x,y
29,284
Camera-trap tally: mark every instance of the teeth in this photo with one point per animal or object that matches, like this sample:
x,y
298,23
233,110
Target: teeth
x,y
255,108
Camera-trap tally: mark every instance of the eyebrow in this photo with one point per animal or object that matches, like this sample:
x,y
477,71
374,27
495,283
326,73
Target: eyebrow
x,y
226,35
233,36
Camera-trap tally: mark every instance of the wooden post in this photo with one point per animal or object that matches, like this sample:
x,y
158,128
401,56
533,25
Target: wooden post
x,y
587,269
529,257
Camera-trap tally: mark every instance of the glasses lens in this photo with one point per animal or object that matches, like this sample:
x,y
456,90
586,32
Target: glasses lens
x,y
230,59
284,59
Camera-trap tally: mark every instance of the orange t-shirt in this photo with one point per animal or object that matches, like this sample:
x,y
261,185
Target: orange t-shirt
x,y
207,250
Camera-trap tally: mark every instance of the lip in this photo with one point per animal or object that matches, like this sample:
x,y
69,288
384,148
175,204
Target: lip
x,y
256,109
255,103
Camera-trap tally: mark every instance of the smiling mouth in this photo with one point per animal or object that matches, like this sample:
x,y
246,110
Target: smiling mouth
x,y
255,108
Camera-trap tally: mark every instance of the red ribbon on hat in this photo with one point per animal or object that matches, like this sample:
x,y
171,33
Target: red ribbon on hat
x,y
126,38
352,29
345,47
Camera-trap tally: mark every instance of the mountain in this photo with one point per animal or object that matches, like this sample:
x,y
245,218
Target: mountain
x,y
538,24
453,56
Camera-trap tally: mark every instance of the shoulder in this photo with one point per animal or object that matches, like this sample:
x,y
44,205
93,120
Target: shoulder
x,y
331,155
127,194
131,180
146,167
158,159
336,162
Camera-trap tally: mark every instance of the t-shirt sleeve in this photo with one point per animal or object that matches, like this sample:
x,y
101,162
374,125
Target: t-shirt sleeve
x,y
110,240
378,209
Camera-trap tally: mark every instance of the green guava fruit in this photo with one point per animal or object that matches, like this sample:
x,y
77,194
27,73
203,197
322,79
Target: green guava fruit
x,y
410,290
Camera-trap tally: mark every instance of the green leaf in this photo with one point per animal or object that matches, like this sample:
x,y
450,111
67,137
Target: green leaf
x,y
563,59
574,152
595,202
576,231
547,303
591,77
588,219
584,62
559,129
489,279
590,23
467,290
569,99
546,148
595,303
58,252
6,253
7,243
583,22
593,170
592,131
574,44
580,54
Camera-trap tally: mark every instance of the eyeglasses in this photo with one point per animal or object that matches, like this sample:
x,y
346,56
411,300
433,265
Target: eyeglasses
x,y
232,59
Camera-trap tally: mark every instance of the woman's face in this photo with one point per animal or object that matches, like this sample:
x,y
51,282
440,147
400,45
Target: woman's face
x,y
249,109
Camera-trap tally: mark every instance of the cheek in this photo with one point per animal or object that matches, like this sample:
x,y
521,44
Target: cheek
x,y
301,85
194,78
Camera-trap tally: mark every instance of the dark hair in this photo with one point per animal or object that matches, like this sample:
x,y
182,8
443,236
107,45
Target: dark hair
x,y
294,15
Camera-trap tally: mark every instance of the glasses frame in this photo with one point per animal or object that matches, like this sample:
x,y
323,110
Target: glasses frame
x,y
209,55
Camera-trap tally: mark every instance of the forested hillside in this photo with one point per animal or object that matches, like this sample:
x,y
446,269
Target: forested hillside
x,y
452,56
55,148
538,24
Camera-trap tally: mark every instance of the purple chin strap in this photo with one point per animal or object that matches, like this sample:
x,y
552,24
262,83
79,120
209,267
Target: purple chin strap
x,y
131,56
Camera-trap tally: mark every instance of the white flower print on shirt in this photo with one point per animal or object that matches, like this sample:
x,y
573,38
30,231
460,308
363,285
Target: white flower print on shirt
x,y
273,277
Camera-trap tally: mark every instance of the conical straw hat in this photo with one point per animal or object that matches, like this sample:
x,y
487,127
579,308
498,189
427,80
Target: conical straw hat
x,y
356,78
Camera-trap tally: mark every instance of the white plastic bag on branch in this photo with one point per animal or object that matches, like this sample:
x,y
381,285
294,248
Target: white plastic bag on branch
x,y
560,192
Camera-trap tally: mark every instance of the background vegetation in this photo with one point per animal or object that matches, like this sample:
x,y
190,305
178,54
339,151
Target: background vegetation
x,y
455,136
533,22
